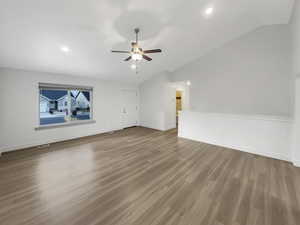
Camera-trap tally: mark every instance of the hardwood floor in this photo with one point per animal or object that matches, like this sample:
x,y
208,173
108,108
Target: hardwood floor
x,y
140,177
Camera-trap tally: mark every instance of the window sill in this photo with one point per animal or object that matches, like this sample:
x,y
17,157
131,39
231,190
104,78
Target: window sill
x,y
66,124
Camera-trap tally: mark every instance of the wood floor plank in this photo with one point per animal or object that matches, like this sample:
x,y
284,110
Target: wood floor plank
x,y
142,176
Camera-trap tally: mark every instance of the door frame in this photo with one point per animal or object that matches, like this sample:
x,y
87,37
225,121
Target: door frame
x,y
184,87
136,90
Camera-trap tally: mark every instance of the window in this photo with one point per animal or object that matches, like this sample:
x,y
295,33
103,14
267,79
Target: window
x,y
64,104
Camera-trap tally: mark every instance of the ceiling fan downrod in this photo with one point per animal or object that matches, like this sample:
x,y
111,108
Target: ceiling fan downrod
x,y
136,30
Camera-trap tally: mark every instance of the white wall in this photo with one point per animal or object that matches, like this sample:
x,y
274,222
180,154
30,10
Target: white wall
x,y
296,130
19,108
295,28
262,135
295,24
250,75
157,103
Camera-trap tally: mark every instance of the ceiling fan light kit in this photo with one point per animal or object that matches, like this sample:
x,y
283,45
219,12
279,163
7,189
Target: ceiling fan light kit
x,y
136,56
137,53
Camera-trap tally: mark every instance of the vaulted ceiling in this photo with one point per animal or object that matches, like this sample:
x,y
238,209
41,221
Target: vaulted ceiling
x,y
32,32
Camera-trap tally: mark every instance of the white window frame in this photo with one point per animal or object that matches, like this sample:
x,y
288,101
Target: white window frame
x,y
67,88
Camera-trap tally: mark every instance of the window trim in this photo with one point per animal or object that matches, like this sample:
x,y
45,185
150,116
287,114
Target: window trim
x,y
66,87
66,124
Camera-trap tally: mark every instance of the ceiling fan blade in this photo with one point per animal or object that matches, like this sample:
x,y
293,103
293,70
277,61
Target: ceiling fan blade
x,y
120,51
153,51
127,59
147,58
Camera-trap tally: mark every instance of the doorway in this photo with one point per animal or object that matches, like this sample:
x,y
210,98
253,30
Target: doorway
x,y
130,108
178,104
181,93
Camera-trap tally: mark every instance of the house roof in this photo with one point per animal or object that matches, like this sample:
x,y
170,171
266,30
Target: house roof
x,y
45,98
76,94
57,94
86,94
53,94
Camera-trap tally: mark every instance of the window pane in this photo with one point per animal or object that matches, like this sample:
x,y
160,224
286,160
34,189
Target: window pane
x,y
53,106
80,105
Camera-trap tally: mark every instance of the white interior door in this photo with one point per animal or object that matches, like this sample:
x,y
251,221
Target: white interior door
x,y
130,108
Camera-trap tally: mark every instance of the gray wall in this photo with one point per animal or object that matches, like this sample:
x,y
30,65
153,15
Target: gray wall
x,y
295,28
295,24
250,75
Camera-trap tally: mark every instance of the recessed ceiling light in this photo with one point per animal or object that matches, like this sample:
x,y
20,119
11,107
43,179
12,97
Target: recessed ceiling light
x,y
65,49
188,83
209,11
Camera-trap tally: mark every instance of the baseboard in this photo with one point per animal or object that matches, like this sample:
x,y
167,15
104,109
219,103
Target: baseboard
x,y
151,127
296,163
159,129
36,144
243,149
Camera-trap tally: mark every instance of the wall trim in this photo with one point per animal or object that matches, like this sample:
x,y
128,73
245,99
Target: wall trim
x,y
283,119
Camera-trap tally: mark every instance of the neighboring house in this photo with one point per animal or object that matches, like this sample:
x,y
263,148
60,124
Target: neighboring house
x,y
44,104
53,100
80,99
62,103
57,100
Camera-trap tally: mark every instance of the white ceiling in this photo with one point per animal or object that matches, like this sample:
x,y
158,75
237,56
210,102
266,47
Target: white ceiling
x,y
32,32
